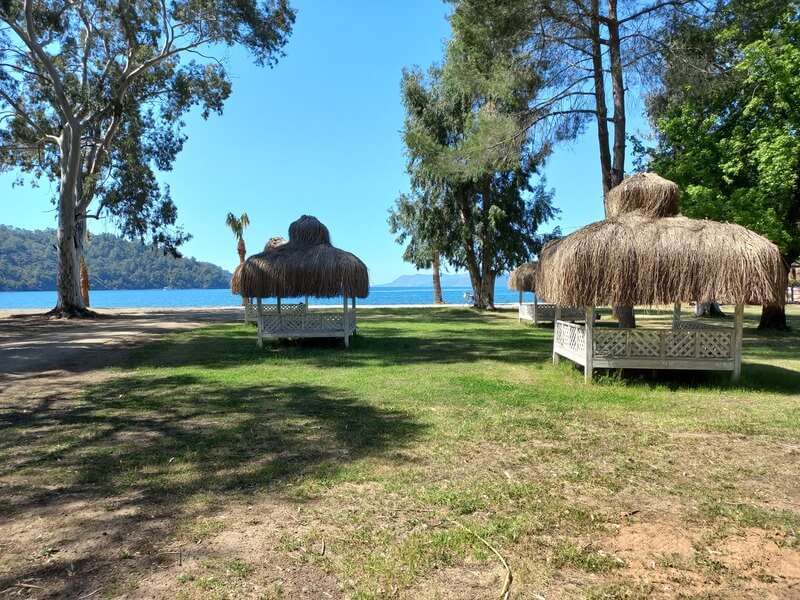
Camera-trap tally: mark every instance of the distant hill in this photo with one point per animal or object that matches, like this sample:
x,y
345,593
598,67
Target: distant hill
x,y
28,263
421,280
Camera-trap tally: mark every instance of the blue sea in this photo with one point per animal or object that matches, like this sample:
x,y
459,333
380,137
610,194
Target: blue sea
x,y
180,298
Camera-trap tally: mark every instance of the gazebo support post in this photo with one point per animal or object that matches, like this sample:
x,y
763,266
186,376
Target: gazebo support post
x,y
536,311
260,320
676,315
279,305
344,321
738,323
589,367
556,318
519,309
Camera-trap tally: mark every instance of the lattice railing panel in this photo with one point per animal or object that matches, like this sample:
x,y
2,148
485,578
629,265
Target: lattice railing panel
x,y
289,309
687,343
679,344
570,337
250,312
308,323
714,344
610,343
644,343
693,325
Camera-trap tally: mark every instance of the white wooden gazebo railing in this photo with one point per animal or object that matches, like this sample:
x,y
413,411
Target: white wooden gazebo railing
x,y
687,346
297,321
539,312
251,310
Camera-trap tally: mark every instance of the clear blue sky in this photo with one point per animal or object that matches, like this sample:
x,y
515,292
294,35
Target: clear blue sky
x,y
319,134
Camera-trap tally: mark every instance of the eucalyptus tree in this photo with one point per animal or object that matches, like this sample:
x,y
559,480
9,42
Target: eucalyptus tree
x,y
727,117
92,95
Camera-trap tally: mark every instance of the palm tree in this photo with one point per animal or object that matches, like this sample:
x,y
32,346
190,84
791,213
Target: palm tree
x,y
238,226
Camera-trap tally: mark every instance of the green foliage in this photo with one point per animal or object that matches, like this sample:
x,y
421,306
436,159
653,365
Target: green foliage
x,y
28,262
93,95
237,225
731,141
421,221
472,163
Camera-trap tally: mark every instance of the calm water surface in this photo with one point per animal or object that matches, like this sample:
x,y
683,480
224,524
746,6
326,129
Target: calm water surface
x,y
181,298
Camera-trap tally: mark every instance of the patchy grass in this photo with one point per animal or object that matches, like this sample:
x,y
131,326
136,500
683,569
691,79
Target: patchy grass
x,y
208,468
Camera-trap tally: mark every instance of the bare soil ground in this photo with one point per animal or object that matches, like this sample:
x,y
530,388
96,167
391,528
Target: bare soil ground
x,y
38,353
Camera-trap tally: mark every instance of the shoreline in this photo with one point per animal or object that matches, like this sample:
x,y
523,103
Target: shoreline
x,y
10,313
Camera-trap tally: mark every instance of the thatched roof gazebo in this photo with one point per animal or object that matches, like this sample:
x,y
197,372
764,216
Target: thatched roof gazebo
x,y
307,265
646,254
523,279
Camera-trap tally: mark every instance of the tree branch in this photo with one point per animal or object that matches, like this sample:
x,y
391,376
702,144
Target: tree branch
x,y
28,36
18,110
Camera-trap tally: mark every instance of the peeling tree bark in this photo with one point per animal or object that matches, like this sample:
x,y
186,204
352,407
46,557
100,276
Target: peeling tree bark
x,y
71,228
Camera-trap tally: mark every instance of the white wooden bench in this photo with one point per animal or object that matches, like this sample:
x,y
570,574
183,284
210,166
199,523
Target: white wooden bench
x,y
300,322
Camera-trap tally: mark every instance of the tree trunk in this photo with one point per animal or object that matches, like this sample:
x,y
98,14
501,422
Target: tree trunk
x,y
487,290
625,316
487,276
240,248
773,318
600,103
71,231
614,168
84,283
471,260
618,94
437,280
708,309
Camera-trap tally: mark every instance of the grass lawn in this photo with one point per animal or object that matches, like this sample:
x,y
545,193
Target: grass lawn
x,y
441,447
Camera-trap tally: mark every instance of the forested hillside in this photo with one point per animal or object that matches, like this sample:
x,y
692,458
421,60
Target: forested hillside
x,y
28,262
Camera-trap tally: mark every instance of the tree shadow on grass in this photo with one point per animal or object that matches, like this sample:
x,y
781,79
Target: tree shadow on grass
x,y
145,447
177,434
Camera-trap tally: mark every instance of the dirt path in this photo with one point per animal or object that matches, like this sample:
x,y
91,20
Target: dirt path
x,y
39,353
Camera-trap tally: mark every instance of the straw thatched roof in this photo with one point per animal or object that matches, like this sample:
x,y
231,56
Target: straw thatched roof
x,y
237,273
523,278
236,280
306,265
647,193
273,242
637,258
